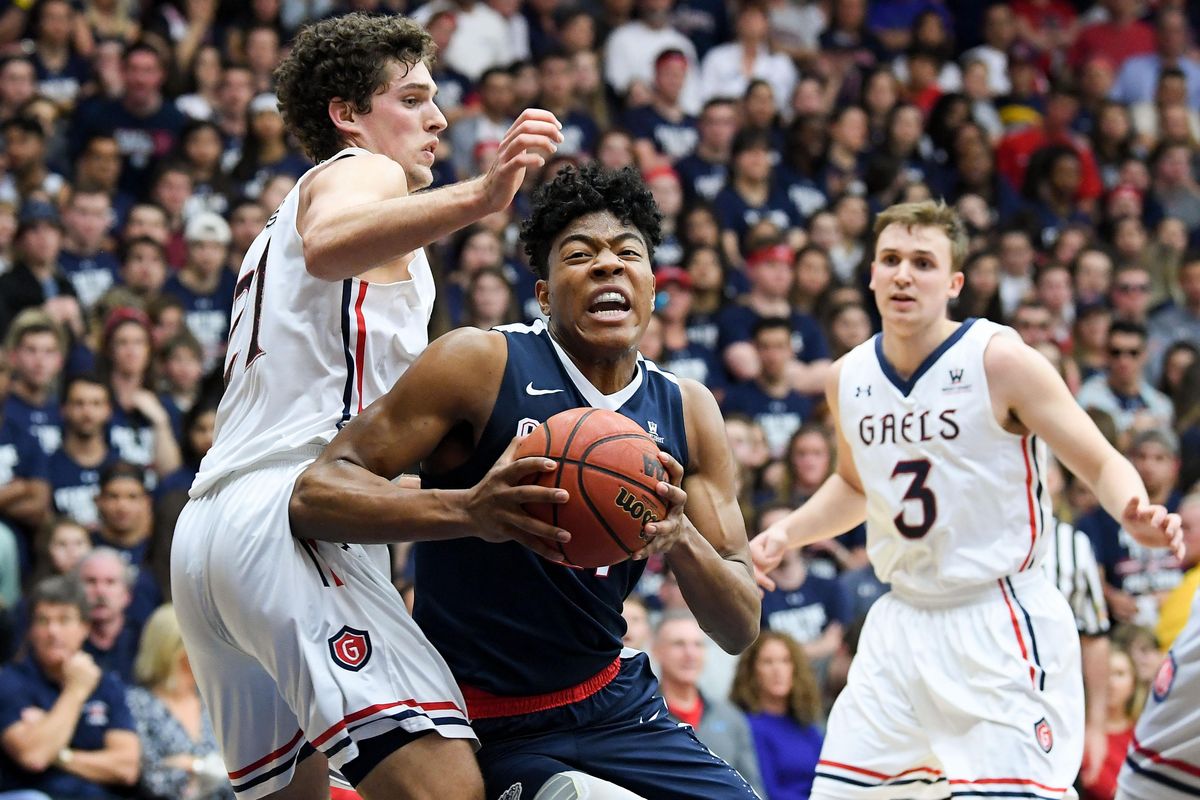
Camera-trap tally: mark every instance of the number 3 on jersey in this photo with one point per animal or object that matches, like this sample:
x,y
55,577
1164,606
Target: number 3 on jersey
x,y
255,279
917,490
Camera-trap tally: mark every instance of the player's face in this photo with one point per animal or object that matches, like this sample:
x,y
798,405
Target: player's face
x,y
911,276
404,122
600,293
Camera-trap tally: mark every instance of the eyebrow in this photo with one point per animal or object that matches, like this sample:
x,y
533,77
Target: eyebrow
x,y
919,252
591,240
417,86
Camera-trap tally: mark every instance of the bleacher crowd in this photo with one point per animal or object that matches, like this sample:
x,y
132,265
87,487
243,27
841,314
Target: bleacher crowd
x,y
142,150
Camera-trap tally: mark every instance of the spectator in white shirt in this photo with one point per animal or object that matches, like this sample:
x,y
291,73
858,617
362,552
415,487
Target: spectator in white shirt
x,y
481,40
728,68
633,48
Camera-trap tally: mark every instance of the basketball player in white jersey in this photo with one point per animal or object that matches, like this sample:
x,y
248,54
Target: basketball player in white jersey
x,y
302,650
1164,757
967,679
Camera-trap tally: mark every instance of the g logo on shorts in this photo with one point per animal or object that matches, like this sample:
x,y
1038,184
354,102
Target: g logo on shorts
x,y
350,648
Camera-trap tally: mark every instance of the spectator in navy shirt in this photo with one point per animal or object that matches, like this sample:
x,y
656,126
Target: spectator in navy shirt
x,y
751,195
775,686
144,125
24,496
108,581
579,130
204,285
663,128
769,269
75,468
810,609
65,728
770,399
704,171
36,278
36,347
86,261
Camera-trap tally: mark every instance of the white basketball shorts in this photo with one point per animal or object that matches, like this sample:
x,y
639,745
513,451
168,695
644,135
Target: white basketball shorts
x,y
296,642
978,696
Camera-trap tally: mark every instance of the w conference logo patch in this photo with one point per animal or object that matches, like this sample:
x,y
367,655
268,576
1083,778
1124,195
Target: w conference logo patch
x,y
1045,736
350,648
1165,679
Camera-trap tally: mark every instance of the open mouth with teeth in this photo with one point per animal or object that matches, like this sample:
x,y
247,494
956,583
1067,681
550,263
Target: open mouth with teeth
x,y
609,306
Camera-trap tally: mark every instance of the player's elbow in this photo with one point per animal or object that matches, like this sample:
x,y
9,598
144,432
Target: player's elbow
x,y
303,504
737,638
320,256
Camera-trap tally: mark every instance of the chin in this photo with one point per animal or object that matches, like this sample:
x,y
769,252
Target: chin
x,y
419,177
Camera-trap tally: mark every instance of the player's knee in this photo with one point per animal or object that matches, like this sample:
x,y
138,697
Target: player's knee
x,y
579,786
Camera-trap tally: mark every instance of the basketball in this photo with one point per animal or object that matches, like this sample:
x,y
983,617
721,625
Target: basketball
x,y
610,467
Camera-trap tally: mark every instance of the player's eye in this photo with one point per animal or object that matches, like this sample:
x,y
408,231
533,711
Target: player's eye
x,y
412,102
631,253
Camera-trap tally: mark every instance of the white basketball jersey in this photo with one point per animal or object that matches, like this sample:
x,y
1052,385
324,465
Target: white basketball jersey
x,y
307,354
953,500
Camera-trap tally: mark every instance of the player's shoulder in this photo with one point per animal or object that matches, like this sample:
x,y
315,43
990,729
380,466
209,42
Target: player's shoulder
x,y
1005,352
358,172
466,346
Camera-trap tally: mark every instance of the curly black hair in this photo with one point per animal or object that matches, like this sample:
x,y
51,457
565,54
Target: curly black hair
x,y
576,192
344,57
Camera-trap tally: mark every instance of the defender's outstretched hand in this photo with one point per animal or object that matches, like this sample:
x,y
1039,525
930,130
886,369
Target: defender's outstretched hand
x,y
767,550
1153,526
529,143
496,504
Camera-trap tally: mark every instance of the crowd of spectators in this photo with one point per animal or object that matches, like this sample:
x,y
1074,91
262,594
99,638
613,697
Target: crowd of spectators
x,y
142,150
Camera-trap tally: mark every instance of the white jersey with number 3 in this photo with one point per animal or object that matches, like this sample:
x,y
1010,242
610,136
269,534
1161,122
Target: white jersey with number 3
x,y
953,499
306,354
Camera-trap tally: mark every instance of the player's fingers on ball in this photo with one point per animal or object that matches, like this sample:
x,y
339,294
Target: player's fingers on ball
x,y
671,493
529,465
674,468
539,546
526,494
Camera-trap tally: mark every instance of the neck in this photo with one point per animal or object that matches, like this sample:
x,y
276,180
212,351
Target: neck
x,y
768,305
1127,387
87,450
1159,495
775,385
907,349
32,395
143,107
105,632
751,186
196,280
712,153
124,539
182,688
79,247
124,386
40,270
608,376
774,705
679,694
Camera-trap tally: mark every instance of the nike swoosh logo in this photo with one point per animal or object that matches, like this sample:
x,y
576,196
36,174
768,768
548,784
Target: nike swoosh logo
x,y
535,392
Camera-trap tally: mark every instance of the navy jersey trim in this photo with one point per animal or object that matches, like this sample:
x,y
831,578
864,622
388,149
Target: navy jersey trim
x,y
1151,775
1033,648
348,391
906,386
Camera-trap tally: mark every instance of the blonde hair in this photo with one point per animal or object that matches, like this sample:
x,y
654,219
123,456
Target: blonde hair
x,y
929,214
159,649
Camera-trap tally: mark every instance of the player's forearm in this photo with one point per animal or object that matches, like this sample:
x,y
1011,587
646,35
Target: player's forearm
x,y
720,592
337,501
1116,482
1094,653
350,241
834,509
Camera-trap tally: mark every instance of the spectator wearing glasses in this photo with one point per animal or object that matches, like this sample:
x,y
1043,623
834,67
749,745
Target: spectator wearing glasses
x,y
1122,390
1130,294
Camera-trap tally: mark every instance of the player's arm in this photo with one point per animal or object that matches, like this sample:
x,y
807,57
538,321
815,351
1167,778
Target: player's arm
x,y
839,505
347,495
1024,382
704,533
357,213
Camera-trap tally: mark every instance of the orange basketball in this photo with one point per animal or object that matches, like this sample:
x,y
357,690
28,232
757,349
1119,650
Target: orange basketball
x,y
611,469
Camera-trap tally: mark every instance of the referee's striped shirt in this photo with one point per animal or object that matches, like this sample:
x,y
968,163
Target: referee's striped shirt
x,y
1071,563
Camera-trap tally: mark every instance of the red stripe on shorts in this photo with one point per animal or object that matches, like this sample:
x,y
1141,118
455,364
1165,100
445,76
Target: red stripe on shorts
x,y
1017,630
267,759
880,775
375,709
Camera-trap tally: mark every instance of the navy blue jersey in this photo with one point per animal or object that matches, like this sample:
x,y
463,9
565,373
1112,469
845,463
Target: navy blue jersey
x,y
23,686
131,436
806,612
43,422
674,140
91,276
506,620
206,315
20,456
75,487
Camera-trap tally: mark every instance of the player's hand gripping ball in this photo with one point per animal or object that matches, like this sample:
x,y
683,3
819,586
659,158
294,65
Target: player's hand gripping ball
x,y
610,468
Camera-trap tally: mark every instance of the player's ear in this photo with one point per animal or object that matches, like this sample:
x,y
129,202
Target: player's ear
x,y
871,283
541,290
956,284
343,116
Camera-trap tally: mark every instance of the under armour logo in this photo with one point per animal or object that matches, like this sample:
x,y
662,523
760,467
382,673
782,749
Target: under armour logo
x,y
862,391
956,376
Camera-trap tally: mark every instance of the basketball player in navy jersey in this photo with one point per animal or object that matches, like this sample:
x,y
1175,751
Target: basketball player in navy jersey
x,y
967,678
535,645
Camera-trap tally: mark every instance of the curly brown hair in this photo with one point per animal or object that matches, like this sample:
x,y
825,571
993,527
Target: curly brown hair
x,y
345,57
804,703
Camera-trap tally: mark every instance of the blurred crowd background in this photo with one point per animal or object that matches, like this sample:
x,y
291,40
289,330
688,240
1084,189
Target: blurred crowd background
x,y
142,150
